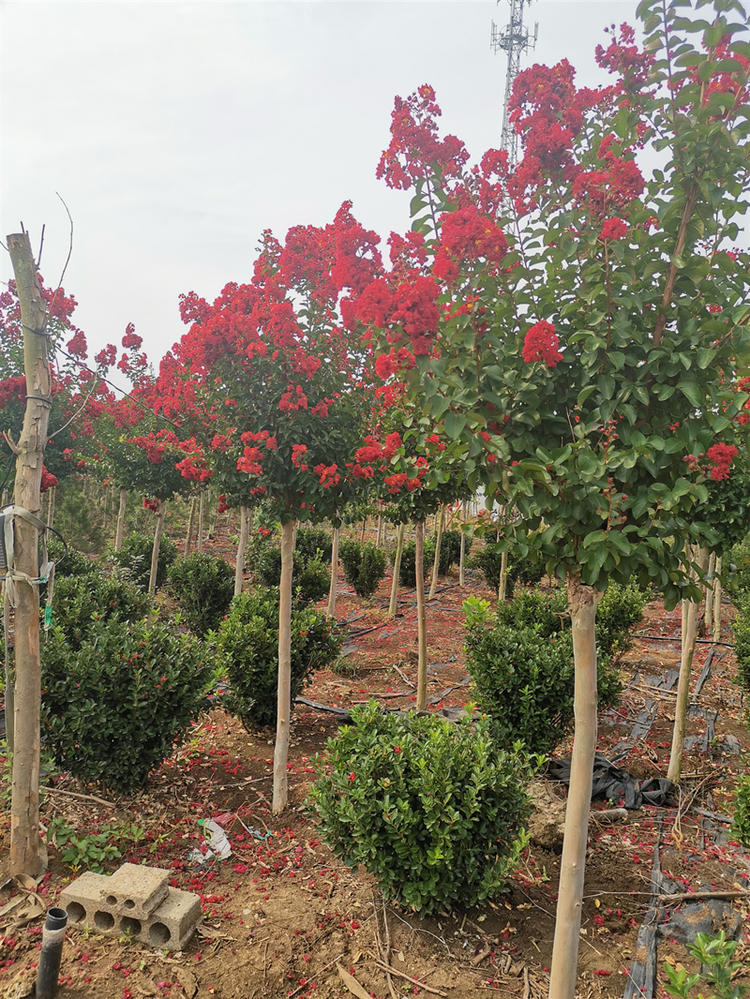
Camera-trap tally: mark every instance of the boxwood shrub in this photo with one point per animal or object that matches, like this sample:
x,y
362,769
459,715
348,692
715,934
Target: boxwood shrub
x,y
248,644
113,708
79,602
364,566
203,587
134,558
431,808
310,580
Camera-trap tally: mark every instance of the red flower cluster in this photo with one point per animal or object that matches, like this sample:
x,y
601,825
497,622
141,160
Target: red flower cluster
x,y
614,229
49,480
298,456
468,235
415,150
541,343
720,457
293,399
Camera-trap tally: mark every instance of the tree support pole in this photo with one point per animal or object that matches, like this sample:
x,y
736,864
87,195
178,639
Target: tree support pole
x,y
120,529
436,560
161,516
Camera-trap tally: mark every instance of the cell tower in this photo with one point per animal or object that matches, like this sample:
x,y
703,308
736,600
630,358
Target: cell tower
x,y
515,40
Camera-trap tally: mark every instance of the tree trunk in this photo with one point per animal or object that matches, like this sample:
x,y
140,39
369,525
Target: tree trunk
x,y
201,519
239,569
161,516
708,594
582,601
10,675
364,531
462,554
436,560
190,525
421,619
393,605
690,632
214,522
379,540
284,707
51,507
717,601
120,529
28,854
503,584
331,610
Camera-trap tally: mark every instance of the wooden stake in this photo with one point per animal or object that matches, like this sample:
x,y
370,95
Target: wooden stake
x,y
28,854
708,595
717,602
201,520
284,706
190,525
462,555
51,507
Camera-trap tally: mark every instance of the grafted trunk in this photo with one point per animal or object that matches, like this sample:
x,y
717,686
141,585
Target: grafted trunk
x,y
161,516
120,529
582,602
239,569
284,707
689,634
28,854
421,619
393,605
331,609
436,560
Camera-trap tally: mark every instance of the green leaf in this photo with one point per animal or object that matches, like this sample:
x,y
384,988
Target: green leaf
x,y
454,425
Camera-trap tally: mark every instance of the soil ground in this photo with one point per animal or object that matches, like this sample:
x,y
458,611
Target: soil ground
x,y
283,918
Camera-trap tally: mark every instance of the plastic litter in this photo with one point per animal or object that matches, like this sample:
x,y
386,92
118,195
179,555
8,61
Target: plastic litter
x,y
219,847
615,784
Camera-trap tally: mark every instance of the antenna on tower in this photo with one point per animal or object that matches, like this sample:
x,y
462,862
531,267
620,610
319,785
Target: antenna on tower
x,y
515,40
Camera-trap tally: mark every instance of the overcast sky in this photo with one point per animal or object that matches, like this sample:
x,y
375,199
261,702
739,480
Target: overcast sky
x,y
177,132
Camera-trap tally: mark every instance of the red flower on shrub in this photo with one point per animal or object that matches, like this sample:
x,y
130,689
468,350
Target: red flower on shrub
x,y
541,343
614,229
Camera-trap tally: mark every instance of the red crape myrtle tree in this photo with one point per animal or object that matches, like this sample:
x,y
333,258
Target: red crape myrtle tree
x,y
605,322
286,387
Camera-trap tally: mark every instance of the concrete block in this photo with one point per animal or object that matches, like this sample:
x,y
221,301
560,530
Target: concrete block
x,y
172,924
91,900
135,890
84,902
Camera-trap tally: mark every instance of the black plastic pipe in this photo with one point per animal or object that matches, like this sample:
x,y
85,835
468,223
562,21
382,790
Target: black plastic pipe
x,y
53,936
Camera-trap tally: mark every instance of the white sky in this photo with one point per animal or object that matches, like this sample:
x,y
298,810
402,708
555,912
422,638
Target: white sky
x,y
177,132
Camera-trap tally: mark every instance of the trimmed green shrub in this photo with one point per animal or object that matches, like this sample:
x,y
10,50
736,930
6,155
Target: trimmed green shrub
x,y
619,610
248,647
407,573
134,558
741,819
113,708
718,970
313,543
430,807
450,550
310,580
79,602
488,559
69,561
204,587
546,612
524,681
364,566
736,570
